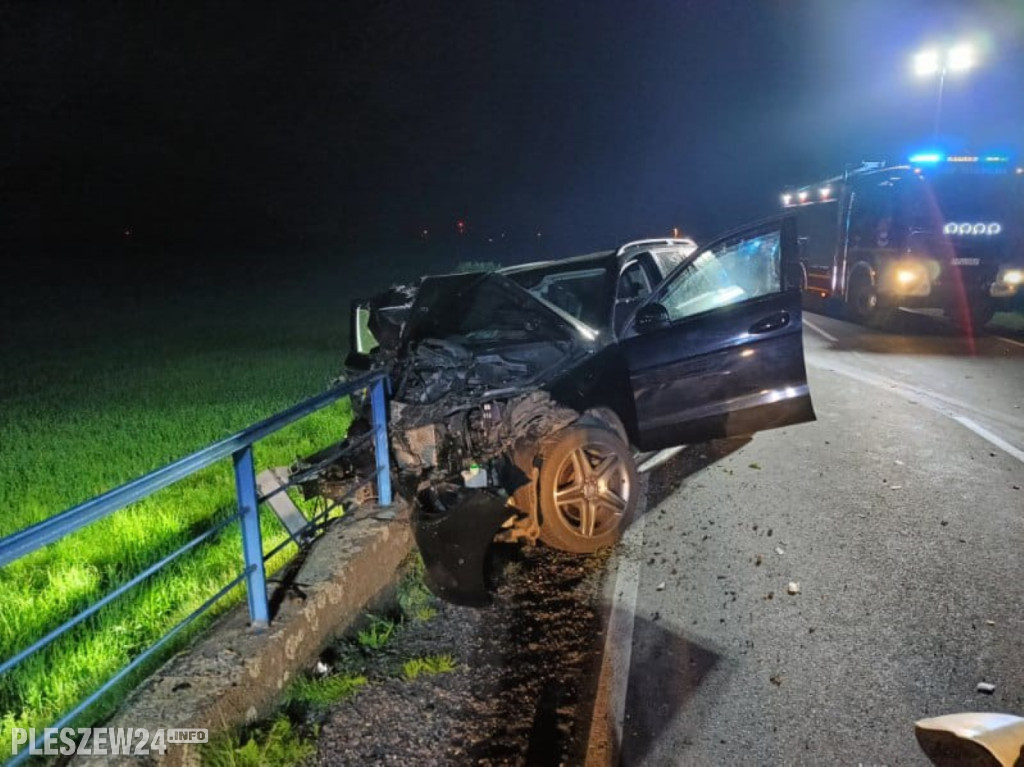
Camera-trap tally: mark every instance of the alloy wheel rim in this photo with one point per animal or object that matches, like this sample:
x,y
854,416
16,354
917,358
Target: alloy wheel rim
x,y
591,490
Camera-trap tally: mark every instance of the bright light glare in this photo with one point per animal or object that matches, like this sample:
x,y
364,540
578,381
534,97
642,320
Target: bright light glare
x,y
1013,276
926,63
906,276
803,195
950,228
994,228
960,58
786,199
825,191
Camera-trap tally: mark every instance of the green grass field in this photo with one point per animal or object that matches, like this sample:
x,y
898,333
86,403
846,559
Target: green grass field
x,y
102,388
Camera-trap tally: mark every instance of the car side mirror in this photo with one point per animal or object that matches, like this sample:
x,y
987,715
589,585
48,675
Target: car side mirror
x,y
651,317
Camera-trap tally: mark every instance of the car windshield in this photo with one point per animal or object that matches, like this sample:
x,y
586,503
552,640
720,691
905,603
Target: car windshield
x,y
582,291
484,310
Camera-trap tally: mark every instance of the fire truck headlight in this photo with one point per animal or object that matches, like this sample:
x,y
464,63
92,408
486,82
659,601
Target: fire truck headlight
x,y
1013,276
906,277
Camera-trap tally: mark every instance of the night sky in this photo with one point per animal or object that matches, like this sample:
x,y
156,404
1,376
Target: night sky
x,y
276,128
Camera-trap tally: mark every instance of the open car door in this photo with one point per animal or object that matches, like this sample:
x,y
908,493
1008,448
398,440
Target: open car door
x,y
717,350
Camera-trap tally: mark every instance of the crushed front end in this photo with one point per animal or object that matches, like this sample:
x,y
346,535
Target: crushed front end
x,y
468,358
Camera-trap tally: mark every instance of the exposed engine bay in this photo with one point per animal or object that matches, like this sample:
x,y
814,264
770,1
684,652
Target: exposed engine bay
x,y
468,358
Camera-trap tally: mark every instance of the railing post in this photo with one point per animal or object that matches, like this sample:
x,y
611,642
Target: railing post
x,y
379,415
252,540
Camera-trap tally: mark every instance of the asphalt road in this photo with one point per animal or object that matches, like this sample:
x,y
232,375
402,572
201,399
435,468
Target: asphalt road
x,y
900,514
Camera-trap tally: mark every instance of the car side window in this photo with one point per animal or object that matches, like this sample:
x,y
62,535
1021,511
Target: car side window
x,y
737,270
633,283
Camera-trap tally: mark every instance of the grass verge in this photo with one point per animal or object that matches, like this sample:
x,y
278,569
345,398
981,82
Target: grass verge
x,y
348,666
101,395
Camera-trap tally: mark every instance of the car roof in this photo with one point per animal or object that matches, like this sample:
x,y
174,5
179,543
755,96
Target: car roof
x,y
588,259
660,242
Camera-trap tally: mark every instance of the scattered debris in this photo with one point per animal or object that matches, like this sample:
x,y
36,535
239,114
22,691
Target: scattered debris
x,y
898,462
944,522
385,516
661,586
986,688
793,588
321,669
755,465
757,561
895,487
990,623
776,680
779,550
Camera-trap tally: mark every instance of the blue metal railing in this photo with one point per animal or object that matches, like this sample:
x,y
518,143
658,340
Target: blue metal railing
x,y
239,448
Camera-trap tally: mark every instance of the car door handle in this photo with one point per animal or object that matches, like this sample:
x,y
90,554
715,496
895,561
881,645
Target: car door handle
x,y
770,323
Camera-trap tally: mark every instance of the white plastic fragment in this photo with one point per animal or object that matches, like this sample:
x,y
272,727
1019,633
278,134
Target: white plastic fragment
x,y
779,550
990,623
986,687
793,588
661,586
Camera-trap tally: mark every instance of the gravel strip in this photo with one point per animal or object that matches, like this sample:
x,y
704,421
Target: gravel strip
x,y
520,690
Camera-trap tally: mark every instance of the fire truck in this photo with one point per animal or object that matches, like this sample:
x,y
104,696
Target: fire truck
x,y
941,231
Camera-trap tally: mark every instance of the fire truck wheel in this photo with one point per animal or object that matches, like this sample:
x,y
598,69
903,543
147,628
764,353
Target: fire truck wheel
x,y
865,305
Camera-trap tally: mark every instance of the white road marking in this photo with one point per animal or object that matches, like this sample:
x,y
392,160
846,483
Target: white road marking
x,y
995,439
1010,341
823,333
659,458
606,727
934,401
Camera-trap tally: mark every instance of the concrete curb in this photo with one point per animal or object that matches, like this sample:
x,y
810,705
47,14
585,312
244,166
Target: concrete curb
x,y
232,675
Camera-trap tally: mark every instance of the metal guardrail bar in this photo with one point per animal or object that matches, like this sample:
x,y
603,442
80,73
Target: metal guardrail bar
x,y
134,664
47,531
380,429
96,606
240,448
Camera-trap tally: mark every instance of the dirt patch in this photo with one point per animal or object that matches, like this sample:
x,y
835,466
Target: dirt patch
x,y
520,690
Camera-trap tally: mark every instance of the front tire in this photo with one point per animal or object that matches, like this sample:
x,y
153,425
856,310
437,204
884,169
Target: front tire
x,y
588,490
865,306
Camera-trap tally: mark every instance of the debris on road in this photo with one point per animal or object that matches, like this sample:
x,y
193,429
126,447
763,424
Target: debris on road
x,y
986,688
755,465
779,550
661,586
990,623
793,588
776,680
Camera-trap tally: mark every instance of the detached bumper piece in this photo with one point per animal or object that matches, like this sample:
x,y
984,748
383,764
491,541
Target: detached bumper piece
x,y
454,529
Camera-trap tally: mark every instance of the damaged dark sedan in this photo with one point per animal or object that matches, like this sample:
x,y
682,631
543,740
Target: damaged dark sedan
x,y
521,397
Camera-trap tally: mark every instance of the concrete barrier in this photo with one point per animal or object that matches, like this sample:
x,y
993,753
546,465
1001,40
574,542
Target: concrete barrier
x,y
232,675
